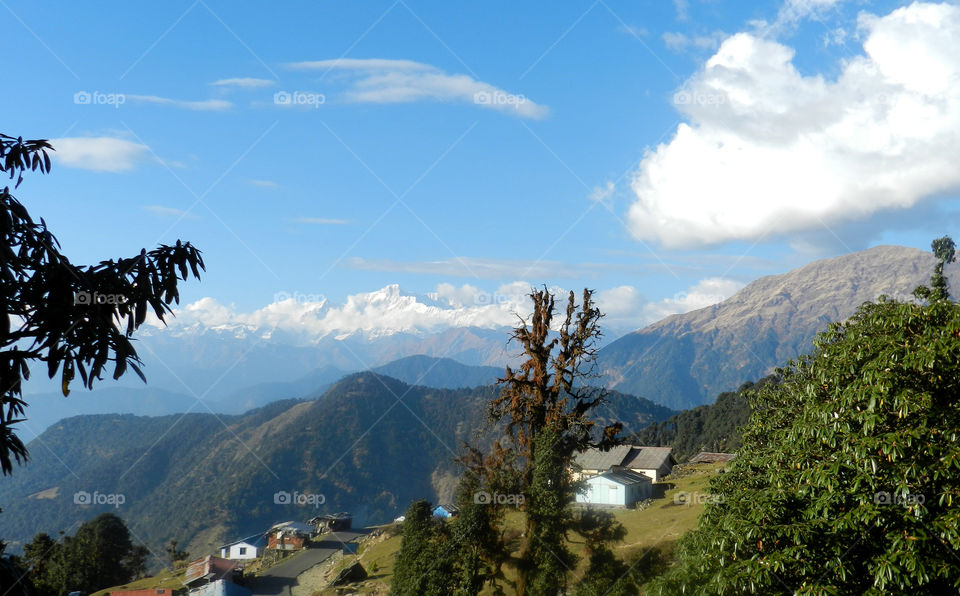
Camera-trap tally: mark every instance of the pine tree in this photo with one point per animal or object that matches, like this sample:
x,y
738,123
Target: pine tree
x,y
423,564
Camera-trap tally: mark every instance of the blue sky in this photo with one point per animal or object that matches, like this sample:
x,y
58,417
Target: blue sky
x,y
664,153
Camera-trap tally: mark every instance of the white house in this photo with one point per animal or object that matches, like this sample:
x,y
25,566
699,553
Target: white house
x,y
238,551
618,488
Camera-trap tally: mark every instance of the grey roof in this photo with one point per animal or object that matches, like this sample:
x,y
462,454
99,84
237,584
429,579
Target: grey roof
x,y
649,458
594,459
291,527
625,477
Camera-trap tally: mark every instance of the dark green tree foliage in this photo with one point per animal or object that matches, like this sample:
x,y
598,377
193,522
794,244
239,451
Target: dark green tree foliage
x,y
475,537
176,554
944,249
98,556
423,564
549,560
73,319
714,427
848,480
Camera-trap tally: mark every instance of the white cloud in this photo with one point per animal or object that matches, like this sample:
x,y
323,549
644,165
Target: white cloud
x,y
600,194
244,83
204,105
98,154
624,308
706,292
404,81
794,11
770,151
321,221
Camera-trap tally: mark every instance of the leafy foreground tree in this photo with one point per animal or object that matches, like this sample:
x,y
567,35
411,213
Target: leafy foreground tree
x,y
74,320
71,319
848,480
98,556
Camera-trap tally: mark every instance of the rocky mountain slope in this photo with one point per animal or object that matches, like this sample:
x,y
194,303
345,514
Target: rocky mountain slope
x,y
687,360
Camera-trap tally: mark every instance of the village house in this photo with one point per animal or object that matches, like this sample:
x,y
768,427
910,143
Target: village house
x,y
445,510
653,462
239,551
332,522
210,569
221,587
289,535
619,487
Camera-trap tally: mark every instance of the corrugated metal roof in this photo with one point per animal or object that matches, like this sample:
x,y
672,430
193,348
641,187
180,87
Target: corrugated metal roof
x,y
209,567
647,458
291,527
594,459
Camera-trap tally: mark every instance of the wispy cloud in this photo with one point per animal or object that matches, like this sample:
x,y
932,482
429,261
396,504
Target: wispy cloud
x,y
244,83
321,221
680,42
360,64
202,105
162,211
492,268
378,80
98,154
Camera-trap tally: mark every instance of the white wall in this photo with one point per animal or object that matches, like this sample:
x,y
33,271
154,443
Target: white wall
x,y
241,551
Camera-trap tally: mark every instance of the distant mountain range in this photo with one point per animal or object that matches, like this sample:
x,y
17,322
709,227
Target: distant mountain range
x,y
121,398
369,445
686,360
232,363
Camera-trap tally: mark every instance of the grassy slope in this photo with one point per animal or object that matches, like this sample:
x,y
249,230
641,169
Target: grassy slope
x,y
658,526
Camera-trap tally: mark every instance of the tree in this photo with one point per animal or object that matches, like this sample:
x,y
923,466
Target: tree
x,y
546,405
98,556
944,249
479,553
848,480
176,554
423,563
72,319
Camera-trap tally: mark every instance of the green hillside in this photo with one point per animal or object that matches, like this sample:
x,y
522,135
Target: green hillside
x,y
370,445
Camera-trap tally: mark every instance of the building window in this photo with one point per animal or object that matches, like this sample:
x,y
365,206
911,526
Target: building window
x,y
243,550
